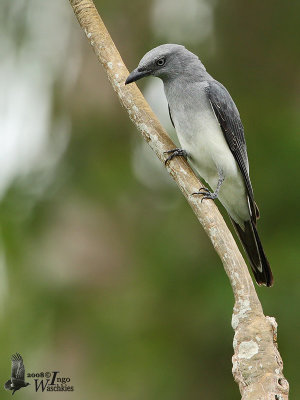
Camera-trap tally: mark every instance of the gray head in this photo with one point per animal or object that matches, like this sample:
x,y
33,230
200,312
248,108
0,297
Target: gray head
x,y
166,62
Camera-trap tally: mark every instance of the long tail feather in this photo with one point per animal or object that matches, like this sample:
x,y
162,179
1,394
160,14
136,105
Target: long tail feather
x,y
253,247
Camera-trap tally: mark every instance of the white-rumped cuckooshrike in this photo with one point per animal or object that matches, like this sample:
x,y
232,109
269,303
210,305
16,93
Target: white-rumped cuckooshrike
x,y
211,135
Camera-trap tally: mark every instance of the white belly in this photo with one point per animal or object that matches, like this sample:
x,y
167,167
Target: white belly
x,y
200,134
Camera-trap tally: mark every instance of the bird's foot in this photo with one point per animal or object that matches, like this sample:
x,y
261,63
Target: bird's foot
x,y
206,193
175,153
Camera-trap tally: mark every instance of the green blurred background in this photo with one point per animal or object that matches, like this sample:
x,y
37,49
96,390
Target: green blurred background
x,y
105,273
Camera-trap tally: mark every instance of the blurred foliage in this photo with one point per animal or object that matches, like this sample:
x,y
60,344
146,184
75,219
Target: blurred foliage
x,y
115,283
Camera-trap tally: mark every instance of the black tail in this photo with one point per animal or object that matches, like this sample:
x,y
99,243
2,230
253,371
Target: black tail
x,y
253,247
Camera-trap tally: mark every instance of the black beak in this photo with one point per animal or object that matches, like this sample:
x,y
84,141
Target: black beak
x,y
135,75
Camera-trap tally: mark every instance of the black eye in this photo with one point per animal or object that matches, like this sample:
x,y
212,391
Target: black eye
x,y
160,62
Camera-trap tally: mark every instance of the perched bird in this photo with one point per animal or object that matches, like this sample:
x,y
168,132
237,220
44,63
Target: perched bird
x,y
211,134
17,380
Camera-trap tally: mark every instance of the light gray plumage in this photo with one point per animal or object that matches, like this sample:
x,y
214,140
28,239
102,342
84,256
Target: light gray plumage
x,y
210,131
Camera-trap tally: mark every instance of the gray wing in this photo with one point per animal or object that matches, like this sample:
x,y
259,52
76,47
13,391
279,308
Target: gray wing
x,y
17,367
229,119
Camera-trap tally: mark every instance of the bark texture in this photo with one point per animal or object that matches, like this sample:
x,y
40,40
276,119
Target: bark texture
x,y
257,365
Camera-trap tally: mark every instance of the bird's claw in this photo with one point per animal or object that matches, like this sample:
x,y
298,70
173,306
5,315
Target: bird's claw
x,y
206,193
175,153
205,190
211,196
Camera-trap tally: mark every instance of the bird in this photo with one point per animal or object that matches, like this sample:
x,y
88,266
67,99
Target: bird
x,y
211,136
17,380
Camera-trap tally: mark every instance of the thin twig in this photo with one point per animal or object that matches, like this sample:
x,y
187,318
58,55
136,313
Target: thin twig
x,y
257,365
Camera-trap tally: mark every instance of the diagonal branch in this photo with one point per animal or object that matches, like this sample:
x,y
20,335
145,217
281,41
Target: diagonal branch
x,y
257,365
